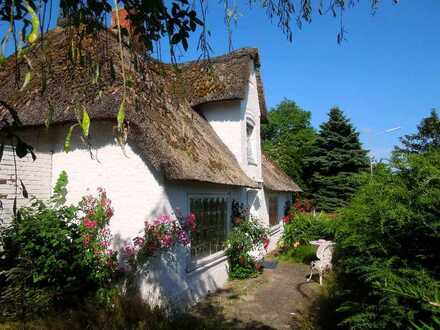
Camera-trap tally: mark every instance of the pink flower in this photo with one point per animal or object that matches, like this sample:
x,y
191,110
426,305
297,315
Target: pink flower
x,y
183,237
138,241
109,213
163,219
104,244
89,224
167,241
191,221
129,250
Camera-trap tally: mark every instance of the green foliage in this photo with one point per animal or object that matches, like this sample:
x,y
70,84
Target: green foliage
x,y
305,227
54,256
288,138
60,189
248,235
388,265
301,254
336,156
427,136
299,229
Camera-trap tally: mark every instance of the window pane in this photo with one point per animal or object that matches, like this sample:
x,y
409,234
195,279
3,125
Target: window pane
x,y
210,232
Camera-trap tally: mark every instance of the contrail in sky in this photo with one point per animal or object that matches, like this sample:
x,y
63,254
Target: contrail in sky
x,y
392,129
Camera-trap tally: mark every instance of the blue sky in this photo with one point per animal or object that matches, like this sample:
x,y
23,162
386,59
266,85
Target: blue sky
x,y
386,74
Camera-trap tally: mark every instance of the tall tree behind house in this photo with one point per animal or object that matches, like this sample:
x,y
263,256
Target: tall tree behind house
x,y
288,137
336,156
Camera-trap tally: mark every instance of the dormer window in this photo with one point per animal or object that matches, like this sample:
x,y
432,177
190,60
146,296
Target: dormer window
x,y
250,142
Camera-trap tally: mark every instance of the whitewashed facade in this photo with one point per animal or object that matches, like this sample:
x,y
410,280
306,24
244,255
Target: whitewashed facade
x,y
139,193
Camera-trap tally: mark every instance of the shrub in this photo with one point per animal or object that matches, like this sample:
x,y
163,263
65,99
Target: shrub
x,y
161,234
300,228
388,265
300,254
247,237
54,255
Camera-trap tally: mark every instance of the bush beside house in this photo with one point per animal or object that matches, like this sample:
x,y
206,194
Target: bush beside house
x,y
58,257
300,227
387,262
247,237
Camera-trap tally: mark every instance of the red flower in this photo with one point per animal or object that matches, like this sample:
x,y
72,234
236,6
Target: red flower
x,y
286,219
266,242
191,221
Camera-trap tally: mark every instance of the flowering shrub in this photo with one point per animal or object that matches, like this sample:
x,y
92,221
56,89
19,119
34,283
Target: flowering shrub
x,y
95,214
304,205
161,234
54,256
247,235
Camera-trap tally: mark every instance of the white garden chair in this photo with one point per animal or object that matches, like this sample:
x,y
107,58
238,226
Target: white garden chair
x,y
324,255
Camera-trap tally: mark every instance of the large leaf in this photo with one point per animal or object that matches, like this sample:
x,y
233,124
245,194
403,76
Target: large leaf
x,y
68,139
85,124
121,115
27,80
33,36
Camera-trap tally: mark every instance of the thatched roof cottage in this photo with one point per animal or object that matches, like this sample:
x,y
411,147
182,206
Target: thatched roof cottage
x,y
193,138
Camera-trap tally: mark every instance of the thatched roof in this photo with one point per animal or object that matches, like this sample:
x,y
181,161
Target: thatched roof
x,y
274,178
222,78
169,134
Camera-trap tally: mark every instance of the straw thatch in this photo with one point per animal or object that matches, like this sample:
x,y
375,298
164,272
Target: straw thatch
x,y
166,130
274,178
222,78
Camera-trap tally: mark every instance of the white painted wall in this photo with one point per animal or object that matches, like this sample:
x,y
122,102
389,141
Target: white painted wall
x,y
35,175
276,231
138,193
226,118
251,106
135,189
182,283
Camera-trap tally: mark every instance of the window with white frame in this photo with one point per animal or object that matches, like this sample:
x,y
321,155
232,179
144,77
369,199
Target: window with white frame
x,y
211,217
252,159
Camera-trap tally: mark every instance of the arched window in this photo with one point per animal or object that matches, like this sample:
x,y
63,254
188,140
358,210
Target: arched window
x,y
250,142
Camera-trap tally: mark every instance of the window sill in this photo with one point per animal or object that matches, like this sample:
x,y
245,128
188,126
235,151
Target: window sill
x,y
206,262
275,229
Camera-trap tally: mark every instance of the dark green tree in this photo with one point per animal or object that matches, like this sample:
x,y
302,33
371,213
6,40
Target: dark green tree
x,y
427,136
288,138
336,156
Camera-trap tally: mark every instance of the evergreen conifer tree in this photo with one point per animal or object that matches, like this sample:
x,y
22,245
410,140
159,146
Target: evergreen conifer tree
x,y
337,155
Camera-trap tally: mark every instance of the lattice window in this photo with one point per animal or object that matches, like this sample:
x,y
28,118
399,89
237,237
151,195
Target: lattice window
x,y
273,210
210,234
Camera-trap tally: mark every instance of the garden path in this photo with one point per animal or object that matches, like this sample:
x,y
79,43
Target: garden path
x,y
280,298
